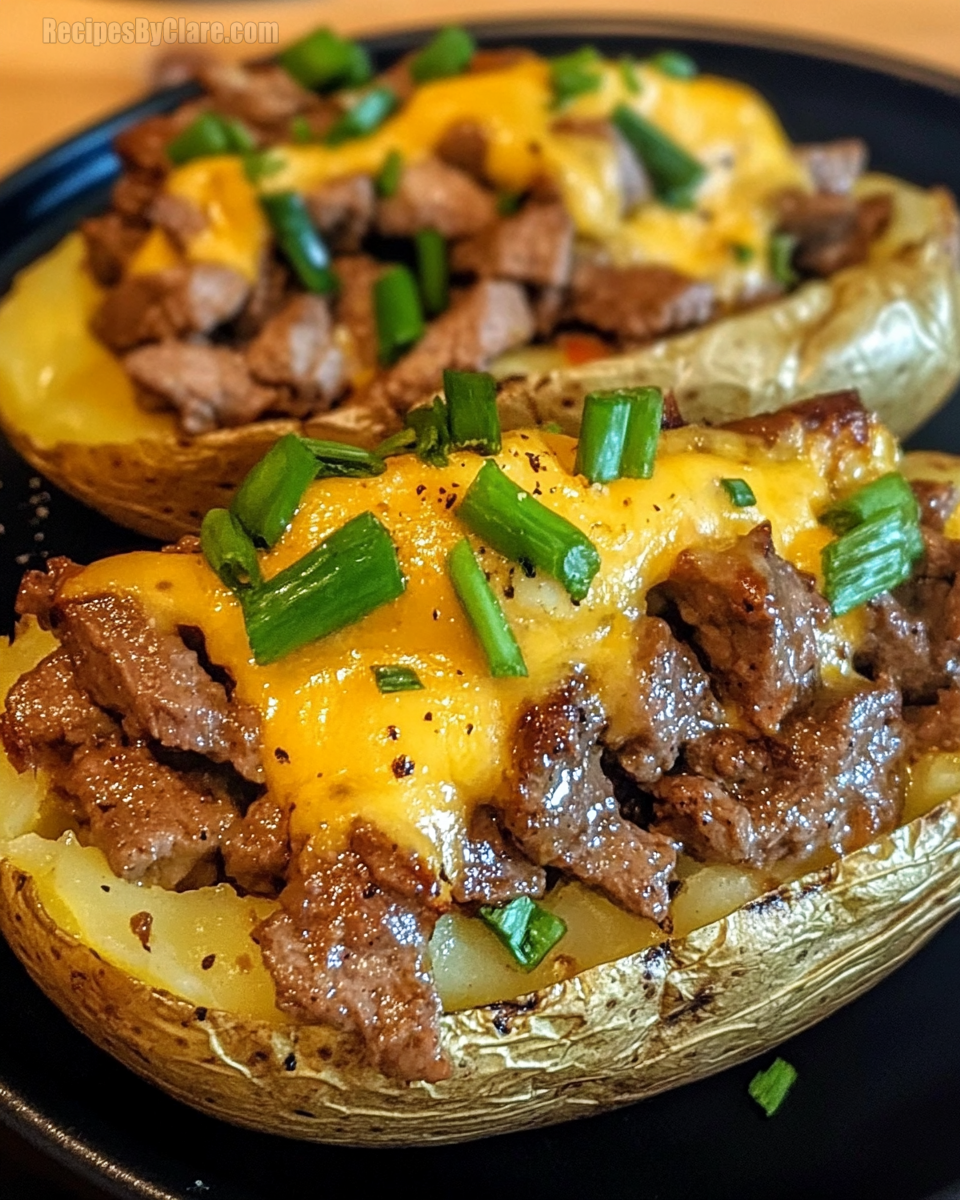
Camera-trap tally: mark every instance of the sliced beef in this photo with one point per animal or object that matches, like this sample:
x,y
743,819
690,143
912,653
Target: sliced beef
x,y
432,195
394,869
264,96
256,847
357,275
343,211
838,415
134,192
177,216
38,589
834,167
268,295
208,386
348,952
634,182
464,146
936,726
296,350
829,778
181,300
638,303
535,246
492,869
669,704
561,811
111,242
754,619
937,499
143,147
832,232
490,318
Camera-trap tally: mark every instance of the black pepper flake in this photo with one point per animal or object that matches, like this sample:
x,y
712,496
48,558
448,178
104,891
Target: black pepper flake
x,y
403,766
428,716
208,961
534,462
290,1062
393,732
281,755
469,727
436,614
627,502
528,568
450,502
536,490
442,490
459,672
509,592
421,488
200,1014
656,508
104,887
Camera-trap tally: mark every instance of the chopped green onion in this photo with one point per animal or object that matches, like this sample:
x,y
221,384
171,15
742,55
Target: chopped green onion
x,y
603,429
433,270
301,130
342,459
401,442
229,550
347,576
780,258
518,526
447,53
325,60
740,492
528,931
628,73
472,411
208,135
574,75
551,427
889,492
298,239
643,432
508,203
397,679
770,1087
872,558
368,114
271,493
260,164
388,180
432,427
674,173
675,63
484,612
396,305
742,253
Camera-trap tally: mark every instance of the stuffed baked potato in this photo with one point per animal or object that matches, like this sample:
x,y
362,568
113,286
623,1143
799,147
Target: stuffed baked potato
x,y
342,929
575,222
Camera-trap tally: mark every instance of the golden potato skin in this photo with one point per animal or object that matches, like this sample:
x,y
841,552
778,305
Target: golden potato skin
x,y
610,1036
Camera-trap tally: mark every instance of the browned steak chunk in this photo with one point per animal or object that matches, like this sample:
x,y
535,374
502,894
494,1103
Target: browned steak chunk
x,y
267,296
343,211
639,303
143,147
38,589
535,246
171,303
840,416
111,242
492,870
348,952
432,195
561,810
265,96
256,847
296,350
937,499
177,216
754,619
834,166
357,275
464,146
832,232
936,726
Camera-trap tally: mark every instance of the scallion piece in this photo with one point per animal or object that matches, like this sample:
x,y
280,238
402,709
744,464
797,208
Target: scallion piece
x,y
674,173
300,130
770,1087
433,271
342,459
780,258
518,526
299,241
628,73
368,114
431,424
674,63
396,305
528,931
347,576
740,492
271,493
447,53
401,442
472,412
208,135
397,679
261,164
603,430
872,558
888,493
229,550
325,60
484,613
574,75
643,432
388,180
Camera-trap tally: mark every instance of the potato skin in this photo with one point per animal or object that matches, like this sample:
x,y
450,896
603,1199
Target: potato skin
x,y
612,1035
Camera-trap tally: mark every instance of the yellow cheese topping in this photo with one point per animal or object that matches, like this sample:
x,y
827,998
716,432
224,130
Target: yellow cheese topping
x,y
415,763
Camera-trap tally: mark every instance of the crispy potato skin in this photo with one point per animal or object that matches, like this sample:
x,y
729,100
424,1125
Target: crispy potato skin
x,y
610,1036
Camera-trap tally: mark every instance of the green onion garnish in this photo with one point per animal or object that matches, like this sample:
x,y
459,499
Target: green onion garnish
x,y
780,258
397,679
519,527
431,425
528,931
769,1088
229,550
872,558
740,492
484,612
396,305
368,114
342,459
574,75
324,60
388,180
208,135
603,429
447,53
261,164
297,237
472,412
300,129
674,63
643,432
347,576
271,493
401,442
628,73
433,271
889,492
674,173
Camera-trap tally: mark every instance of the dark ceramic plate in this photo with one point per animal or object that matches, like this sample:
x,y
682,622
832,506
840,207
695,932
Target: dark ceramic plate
x,y
874,1113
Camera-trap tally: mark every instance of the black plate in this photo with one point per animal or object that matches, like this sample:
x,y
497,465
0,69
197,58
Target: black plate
x,y
874,1113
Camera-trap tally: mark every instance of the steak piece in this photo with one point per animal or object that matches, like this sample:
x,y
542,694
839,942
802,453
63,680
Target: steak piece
x,y
209,387
836,166
111,242
343,211
754,620
38,589
464,146
432,195
177,216
354,309
296,350
832,232
267,296
492,870
535,246
264,96
180,300
349,952
829,778
937,499
638,303
840,416
561,811
256,847
936,726
143,147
